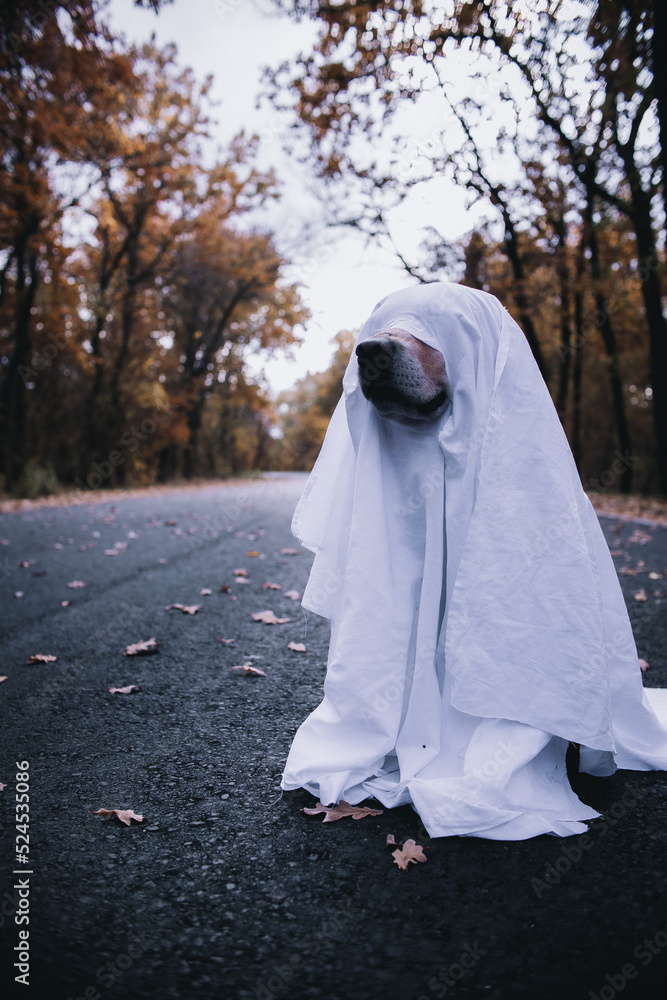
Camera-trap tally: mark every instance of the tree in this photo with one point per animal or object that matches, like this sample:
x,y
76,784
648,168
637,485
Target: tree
x,y
53,112
372,58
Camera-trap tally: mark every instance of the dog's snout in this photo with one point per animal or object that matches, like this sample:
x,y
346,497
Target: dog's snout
x,y
375,348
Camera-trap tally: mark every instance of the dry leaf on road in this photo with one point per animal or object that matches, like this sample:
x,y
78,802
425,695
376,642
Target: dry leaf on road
x,y
124,815
410,853
271,586
187,609
142,647
253,553
644,664
42,658
289,552
340,811
298,647
228,642
76,585
269,618
247,668
130,689
205,592
293,595
640,595
240,572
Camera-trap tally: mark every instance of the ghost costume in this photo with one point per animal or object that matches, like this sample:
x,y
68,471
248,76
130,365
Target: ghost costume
x,y
477,622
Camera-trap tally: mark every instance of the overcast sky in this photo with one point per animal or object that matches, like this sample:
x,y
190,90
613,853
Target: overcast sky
x,y
342,278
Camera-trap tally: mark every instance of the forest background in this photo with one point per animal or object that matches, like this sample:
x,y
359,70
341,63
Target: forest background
x,y
137,284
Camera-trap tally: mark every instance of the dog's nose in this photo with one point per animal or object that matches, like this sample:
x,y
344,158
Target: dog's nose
x,y
371,350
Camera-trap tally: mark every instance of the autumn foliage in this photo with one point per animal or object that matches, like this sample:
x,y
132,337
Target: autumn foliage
x,y
552,117
132,285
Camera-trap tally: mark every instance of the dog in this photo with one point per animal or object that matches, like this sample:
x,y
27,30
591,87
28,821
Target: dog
x,y
405,379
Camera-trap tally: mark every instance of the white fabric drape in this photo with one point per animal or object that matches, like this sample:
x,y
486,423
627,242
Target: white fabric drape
x,y
477,623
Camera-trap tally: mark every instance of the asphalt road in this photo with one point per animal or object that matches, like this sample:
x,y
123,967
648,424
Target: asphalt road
x,y
226,889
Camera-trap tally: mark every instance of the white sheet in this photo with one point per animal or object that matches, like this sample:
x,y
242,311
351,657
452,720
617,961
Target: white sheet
x,y
477,619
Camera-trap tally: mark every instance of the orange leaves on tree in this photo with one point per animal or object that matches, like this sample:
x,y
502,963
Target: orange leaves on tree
x,y
124,815
143,647
340,811
269,618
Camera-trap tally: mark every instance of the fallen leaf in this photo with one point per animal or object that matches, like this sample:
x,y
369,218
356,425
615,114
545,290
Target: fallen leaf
x,y
341,810
76,585
242,579
225,589
655,576
644,664
124,815
410,853
130,689
42,658
293,595
171,523
240,572
187,609
1,680
143,646
65,604
247,668
391,840
111,552
26,563
253,553
18,593
289,552
640,595
205,592
271,586
269,618
228,642
298,647
639,537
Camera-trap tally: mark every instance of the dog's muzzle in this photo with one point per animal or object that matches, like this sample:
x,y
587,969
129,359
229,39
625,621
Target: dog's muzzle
x,y
404,378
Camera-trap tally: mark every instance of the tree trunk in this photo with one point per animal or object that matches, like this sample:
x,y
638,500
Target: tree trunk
x,y
609,340
13,397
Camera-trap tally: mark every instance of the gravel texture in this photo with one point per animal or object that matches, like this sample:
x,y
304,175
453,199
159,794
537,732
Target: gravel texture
x,y
226,889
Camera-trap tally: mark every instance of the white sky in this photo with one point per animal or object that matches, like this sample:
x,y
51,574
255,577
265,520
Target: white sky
x,y
342,277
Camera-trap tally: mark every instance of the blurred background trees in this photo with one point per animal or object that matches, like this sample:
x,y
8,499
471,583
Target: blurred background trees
x,y
558,129
132,289
135,286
